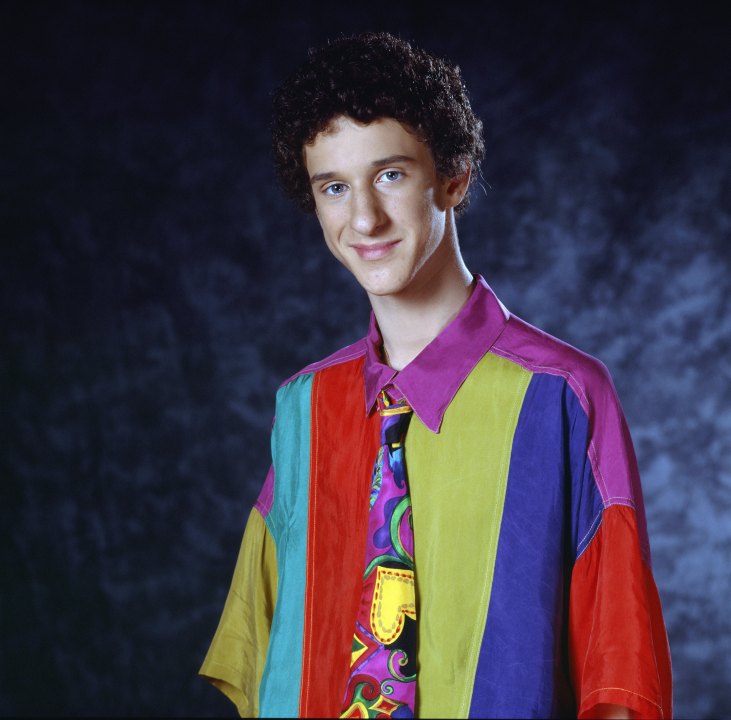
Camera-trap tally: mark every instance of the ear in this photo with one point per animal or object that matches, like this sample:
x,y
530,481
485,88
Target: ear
x,y
455,187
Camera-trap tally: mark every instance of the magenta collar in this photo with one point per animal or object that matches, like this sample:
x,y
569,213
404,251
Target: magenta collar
x,y
432,378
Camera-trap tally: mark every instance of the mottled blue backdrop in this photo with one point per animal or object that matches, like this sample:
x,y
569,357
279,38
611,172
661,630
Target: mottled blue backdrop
x,y
156,287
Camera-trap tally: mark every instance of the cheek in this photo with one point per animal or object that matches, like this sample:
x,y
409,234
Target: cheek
x,y
432,218
414,211
331,217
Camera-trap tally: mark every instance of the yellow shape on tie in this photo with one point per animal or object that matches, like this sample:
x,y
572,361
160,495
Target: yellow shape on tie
x,y
393,600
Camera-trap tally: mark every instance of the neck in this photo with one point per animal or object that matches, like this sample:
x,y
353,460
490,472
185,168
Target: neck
x,y
410,320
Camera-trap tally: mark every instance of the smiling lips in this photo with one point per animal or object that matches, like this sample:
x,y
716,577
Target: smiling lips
x,y
374,251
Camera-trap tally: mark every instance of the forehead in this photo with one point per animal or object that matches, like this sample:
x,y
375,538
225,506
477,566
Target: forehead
x,y
348,144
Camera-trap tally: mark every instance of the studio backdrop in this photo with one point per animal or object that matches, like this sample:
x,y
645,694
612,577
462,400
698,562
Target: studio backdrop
x,y
157,287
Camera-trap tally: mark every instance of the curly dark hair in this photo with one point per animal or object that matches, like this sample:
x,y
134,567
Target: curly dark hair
x,y
371,76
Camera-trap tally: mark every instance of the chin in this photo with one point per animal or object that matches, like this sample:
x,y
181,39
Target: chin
x,y
380,286
383,289
379,291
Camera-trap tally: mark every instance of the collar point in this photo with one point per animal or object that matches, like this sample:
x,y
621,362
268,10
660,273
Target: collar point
x,y
434,424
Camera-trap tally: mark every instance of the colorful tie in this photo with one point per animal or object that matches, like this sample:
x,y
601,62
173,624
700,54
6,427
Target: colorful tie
x,y
382,682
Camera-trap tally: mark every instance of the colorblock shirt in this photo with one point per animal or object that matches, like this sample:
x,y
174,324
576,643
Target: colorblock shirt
x,y
533,578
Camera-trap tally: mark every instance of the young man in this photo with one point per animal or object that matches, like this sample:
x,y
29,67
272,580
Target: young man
x,y
453,523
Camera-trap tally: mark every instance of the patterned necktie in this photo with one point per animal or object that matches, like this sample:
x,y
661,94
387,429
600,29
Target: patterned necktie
x,y
382,681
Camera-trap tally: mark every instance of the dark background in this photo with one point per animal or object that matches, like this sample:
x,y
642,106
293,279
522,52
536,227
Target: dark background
x,y
156,287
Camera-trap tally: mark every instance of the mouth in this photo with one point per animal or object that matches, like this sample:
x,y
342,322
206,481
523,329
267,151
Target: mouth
x,y
374,251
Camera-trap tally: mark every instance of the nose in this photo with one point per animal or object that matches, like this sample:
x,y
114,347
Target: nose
x,y
367,214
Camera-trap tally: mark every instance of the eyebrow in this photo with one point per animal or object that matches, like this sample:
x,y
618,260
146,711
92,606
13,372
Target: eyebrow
x,y
390,160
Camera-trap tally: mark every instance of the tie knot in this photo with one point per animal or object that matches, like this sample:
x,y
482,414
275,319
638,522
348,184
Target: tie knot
x,y
395,418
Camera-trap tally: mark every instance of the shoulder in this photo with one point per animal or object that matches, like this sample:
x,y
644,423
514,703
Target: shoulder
x,y
610,450
541,353
347,354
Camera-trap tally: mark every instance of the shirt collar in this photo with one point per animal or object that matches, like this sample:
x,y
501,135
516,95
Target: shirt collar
x,y
431,380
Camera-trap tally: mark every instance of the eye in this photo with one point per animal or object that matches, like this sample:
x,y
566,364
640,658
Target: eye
x,y
334,189
390,176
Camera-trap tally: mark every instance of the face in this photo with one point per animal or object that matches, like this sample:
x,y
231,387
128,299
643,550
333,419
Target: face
x,y
385,212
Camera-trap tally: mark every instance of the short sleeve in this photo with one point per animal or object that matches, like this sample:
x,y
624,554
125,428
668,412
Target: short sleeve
x,y
235,659
618,644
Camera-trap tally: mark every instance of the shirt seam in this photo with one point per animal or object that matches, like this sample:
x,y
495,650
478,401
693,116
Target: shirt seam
x,y
593,529
631,692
